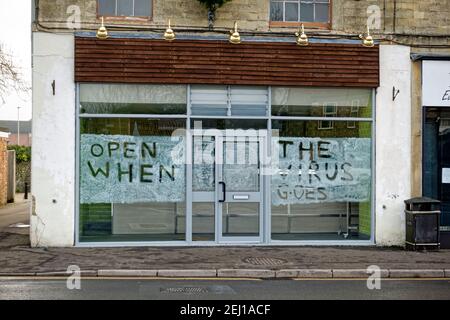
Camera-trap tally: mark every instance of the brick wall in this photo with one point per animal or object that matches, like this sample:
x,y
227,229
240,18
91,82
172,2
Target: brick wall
x,y
3,171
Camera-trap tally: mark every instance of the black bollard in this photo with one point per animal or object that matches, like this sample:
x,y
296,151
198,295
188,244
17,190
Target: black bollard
x,y
26,191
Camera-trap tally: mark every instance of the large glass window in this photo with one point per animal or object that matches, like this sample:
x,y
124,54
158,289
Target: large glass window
x,y
132,175
132,180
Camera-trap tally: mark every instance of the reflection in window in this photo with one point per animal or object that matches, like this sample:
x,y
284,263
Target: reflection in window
x,y
300,10
133,99
126,8
320,102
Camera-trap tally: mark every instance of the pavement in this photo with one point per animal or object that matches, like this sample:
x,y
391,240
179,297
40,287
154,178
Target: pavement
x,y
17,258
14,213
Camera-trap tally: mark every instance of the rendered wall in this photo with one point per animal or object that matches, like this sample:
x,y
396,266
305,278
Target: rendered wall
x,y
53,151
393,144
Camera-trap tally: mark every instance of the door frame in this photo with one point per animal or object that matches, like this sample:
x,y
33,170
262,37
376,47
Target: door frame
x,y
216,195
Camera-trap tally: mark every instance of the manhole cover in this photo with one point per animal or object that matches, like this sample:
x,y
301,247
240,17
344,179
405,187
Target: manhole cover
x,y
19,225
264,261
185,290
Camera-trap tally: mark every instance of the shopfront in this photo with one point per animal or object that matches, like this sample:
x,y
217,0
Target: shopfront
x,y
203,158
436,138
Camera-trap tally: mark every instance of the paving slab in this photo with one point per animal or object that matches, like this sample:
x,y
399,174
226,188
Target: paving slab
x,y
187,273
245,273
358,273
416,273
127,273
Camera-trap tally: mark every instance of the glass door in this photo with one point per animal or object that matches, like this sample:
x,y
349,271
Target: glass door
x,y
227,201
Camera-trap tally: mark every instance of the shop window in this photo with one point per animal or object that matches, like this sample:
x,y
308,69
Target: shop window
x,y
305,11
133,99
321,188
125,8
322,184
132,180
321,102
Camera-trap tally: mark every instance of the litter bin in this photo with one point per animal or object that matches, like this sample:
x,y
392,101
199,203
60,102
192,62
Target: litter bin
x,y
422,223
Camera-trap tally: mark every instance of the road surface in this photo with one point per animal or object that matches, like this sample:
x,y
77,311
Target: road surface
x,y
153,289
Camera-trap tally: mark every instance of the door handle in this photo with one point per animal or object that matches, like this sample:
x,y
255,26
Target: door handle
x,y
224,191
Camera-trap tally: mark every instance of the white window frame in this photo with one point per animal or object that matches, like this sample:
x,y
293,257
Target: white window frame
x,y
116,14
354,113
299,2
327,114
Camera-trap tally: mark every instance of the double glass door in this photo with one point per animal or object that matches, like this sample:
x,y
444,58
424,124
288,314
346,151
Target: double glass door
x,y
227,188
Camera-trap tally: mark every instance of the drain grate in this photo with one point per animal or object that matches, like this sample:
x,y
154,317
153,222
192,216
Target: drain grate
x,y
258,261
185,290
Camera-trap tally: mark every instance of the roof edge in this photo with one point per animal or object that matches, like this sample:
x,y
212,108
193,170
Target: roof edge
x,y
429,56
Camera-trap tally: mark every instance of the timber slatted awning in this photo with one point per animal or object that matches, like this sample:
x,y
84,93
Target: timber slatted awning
x,y
219,62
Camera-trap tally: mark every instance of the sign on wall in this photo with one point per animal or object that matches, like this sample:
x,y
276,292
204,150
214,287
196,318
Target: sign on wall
x,y
131,169
436,83
316,170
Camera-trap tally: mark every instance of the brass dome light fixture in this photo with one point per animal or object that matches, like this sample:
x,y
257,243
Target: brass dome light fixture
x,y
235,38
102,33
169,35
367,40
302,38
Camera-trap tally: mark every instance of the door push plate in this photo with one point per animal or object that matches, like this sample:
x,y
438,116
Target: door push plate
x,y
241,197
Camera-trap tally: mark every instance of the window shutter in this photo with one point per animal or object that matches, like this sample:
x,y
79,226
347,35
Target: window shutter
x,y
209,100
225,101
249,101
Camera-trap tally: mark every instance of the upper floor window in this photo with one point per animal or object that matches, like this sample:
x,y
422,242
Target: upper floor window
x,y
317,11
125,8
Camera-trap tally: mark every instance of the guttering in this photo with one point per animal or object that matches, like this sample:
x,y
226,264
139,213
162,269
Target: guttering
x,y
154,36
429,56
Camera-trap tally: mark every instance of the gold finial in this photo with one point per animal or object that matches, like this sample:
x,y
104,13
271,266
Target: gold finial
x,y
367,41
169,35
302,38
102,33
235,38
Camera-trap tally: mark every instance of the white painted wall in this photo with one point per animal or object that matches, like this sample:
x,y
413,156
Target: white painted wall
x,y
53,152
393,145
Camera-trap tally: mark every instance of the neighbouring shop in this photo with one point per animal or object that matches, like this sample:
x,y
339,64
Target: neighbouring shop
x,y
436,138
